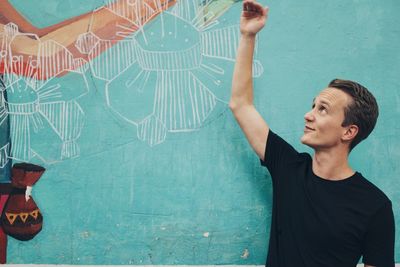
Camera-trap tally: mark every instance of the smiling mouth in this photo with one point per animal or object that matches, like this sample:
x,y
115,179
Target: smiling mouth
x,y
308,129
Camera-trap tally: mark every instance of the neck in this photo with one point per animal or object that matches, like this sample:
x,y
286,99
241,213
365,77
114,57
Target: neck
x,y
331,164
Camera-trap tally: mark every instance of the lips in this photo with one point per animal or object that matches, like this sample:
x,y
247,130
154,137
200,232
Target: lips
x,y
308,128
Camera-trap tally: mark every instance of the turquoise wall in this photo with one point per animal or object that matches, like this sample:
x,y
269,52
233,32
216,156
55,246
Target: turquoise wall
x,y
196,194
46,13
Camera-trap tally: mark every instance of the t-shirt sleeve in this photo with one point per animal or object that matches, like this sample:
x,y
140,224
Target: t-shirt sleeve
x,y
278,153
379,239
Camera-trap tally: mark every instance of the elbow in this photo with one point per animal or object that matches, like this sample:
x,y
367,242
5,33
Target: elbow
x,y
233,105
237,106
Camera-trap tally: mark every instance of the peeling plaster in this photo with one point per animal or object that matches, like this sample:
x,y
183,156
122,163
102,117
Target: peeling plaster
x,y
245,254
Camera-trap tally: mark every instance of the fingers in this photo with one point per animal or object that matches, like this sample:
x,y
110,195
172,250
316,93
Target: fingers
x,y
265,11
250,6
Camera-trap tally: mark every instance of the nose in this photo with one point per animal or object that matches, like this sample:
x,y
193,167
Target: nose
x,y
309,116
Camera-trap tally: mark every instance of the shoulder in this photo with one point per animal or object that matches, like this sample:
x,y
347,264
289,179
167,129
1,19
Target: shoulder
x,y
277,143
371,193
279,149
280,155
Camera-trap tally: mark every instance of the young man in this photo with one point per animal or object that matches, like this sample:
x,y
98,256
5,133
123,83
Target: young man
x,y
324,213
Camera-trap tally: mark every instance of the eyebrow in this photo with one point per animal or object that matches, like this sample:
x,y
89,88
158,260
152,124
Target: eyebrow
x,y
322,102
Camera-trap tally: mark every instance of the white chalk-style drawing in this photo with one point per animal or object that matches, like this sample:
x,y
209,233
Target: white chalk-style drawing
x,y
162,77
3,111
4,150
176,60
41,109
4,155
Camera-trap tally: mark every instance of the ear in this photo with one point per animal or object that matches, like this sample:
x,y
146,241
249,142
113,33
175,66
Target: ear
x,y
350,133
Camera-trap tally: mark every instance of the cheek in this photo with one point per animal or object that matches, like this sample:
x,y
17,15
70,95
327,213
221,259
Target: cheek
x,y
331,129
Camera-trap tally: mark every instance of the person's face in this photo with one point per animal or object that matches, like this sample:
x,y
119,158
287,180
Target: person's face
x,y
323,123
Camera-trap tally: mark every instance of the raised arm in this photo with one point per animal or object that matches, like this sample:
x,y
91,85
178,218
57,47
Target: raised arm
x,y
252,20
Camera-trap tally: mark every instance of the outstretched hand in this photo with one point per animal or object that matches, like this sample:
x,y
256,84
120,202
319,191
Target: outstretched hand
x,y
254,17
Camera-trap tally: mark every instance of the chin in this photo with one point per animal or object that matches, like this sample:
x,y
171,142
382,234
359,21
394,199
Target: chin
x,y
303,140
306,142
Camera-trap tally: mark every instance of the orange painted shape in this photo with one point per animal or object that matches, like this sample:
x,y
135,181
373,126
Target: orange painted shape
x,y
11,217
103,22
10,14
34,214
24,216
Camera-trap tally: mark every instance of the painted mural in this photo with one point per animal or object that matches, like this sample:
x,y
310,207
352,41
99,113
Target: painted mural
x,y
135,54
124,104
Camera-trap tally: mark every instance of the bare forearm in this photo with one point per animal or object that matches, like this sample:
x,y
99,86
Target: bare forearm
x,y
242,82
252,20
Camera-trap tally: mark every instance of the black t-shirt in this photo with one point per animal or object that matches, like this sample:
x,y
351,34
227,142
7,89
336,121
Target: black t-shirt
x,y
323,223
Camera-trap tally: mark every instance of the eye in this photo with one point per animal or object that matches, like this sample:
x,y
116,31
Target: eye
x,y
322,109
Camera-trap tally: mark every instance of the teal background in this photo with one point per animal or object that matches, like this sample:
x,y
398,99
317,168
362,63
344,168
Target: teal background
x,y
46,13
123,202
5,135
